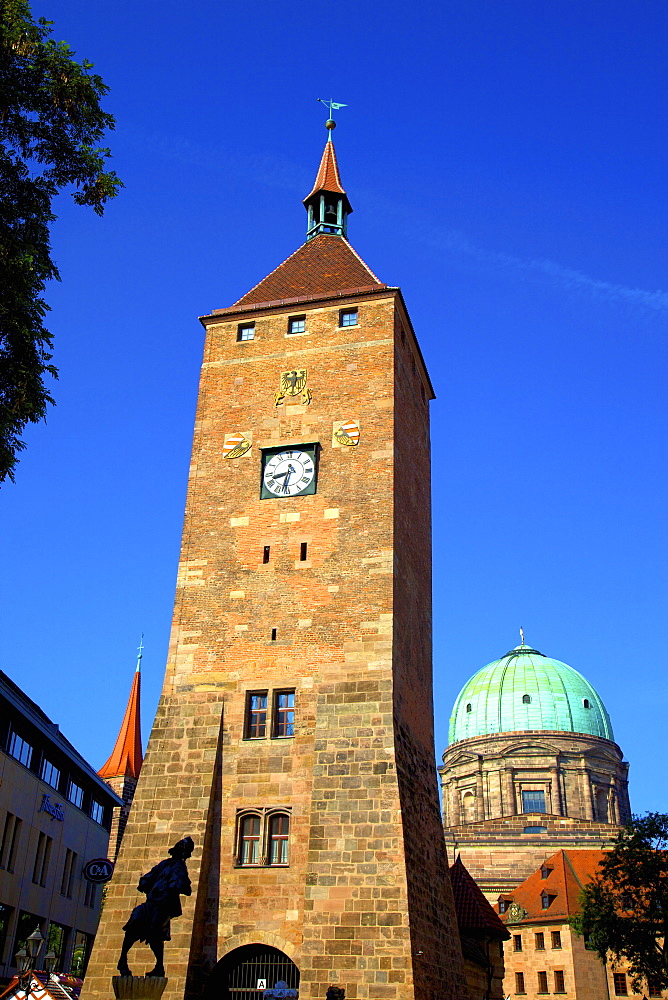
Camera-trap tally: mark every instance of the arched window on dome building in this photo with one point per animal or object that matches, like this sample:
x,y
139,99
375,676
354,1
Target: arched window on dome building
x,y
468,807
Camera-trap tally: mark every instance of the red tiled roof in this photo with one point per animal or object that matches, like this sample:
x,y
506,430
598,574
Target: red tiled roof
x,y
474,913
569,872
126,757
328,177
324,265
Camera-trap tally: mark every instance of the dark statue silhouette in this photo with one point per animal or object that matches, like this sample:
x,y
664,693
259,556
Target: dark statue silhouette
x,y
149,922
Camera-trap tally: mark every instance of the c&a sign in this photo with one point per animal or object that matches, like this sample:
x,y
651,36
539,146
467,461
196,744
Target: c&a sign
x,y
98,870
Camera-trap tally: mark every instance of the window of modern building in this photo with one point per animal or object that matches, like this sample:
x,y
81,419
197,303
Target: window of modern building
x,y
619,983
19,749
542,982
90,894
348,317
559,981
10,841
284,713
526,699
75,794
540,941
256,715
517,942
80,953
5,916
249,841
246,331
279,836
69,868
49,772
533,801
42,856
56,941
519,982
545,900
25,925
297,324
97,811
556,939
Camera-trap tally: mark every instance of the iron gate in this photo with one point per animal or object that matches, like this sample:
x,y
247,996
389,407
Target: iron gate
x,y
237,976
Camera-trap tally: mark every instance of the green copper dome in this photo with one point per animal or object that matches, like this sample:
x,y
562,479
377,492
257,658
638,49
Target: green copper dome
x,y
525,690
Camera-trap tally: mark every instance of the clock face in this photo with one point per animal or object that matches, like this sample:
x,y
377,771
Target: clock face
x,y
288,473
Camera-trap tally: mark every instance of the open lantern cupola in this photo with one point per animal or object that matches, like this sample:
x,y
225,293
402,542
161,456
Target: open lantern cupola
x,y
327,205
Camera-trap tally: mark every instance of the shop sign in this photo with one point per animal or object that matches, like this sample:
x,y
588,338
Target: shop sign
x,y
98,870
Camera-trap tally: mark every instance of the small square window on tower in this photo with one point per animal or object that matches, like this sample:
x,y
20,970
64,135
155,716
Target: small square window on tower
x,y
348,317
297,324
246,331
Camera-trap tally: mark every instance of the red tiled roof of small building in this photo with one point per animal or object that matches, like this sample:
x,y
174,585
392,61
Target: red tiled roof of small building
x,y
569,872
475,915
328,177
324,265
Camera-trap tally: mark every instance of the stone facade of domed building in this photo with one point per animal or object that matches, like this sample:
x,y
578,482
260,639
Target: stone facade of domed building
x,y
531,767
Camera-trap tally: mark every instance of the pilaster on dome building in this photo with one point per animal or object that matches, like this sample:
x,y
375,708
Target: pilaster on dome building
x,y
531,767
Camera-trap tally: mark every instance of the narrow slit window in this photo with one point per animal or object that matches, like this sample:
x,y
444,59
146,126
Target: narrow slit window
x,y
303,548
273,634
265,553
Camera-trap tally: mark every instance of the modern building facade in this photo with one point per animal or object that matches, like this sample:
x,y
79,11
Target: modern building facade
x,y
55,816
531,766
544,954
294,736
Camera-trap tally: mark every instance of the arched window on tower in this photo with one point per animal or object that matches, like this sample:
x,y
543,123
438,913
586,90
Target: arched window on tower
x,y
279,836
249,840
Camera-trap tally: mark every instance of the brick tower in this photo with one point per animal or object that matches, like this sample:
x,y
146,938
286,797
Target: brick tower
x,y
294,738
121,770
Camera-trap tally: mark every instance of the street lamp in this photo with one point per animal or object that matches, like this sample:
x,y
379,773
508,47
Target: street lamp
x,y
26,958
49,963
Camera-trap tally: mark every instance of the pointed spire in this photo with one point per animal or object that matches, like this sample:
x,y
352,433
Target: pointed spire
x,y
126,757
327,204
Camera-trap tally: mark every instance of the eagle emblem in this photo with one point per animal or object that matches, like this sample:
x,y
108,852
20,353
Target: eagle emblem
x,y
347,434
293,384
235,445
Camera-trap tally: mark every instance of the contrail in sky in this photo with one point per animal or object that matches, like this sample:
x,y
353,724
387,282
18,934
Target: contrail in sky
x,y
286,175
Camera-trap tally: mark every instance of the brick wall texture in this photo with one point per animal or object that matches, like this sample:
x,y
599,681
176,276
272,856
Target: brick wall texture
x,y
365,901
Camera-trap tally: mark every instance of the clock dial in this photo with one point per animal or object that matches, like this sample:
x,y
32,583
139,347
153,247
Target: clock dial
x,y
288,473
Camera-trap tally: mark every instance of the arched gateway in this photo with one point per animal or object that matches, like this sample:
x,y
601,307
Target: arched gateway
x,y
245,972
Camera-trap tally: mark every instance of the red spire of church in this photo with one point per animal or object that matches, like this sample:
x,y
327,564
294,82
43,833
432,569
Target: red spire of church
x,y
126,757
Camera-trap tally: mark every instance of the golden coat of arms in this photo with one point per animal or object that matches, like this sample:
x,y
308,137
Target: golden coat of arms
x,y
347,433
293,384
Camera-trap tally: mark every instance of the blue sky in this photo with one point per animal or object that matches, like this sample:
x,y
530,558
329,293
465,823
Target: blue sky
x,y
506,163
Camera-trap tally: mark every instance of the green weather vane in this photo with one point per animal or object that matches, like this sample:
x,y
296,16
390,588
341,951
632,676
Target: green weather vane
x,y
333,106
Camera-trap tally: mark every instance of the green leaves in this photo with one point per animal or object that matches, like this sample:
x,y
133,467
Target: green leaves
x,y
50,125
625,908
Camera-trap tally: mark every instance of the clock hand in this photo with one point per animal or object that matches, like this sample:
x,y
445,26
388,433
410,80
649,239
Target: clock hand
x,y
291,469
